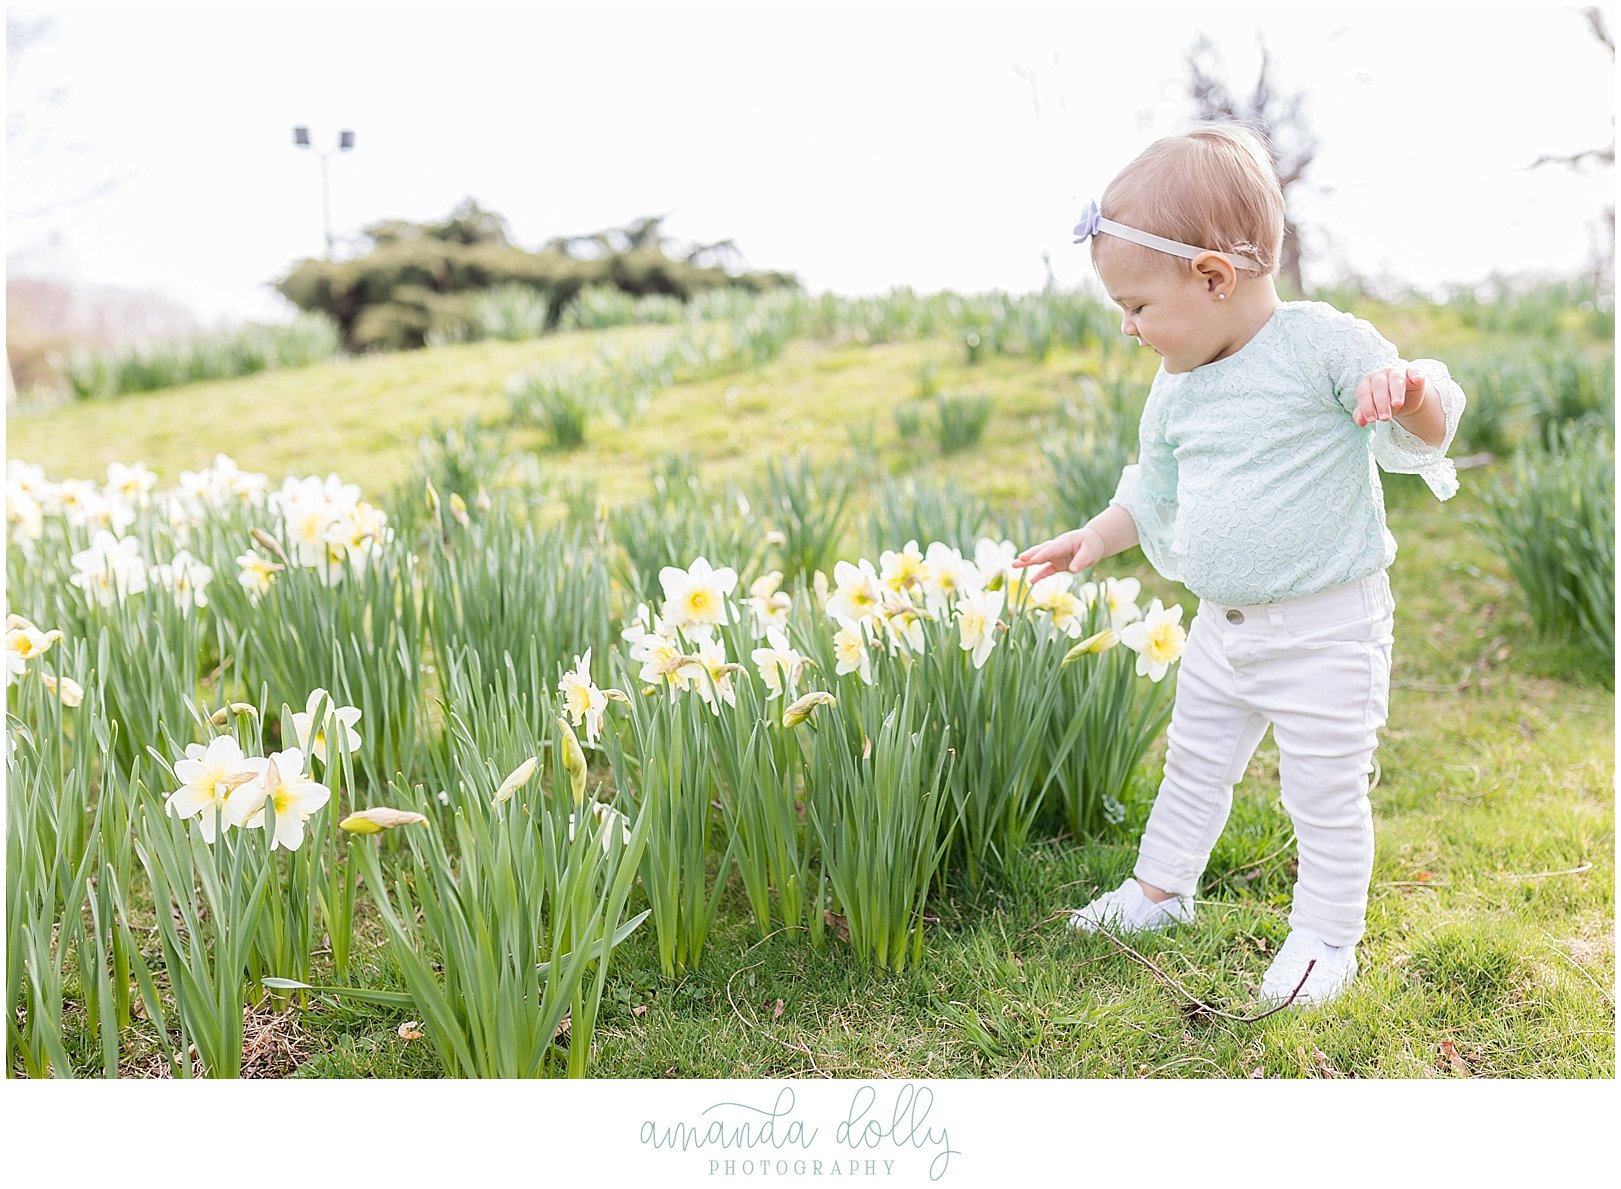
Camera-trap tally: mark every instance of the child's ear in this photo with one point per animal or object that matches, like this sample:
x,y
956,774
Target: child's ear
x,y
1216,274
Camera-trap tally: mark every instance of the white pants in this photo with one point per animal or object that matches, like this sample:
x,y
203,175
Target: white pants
x,y
1318,670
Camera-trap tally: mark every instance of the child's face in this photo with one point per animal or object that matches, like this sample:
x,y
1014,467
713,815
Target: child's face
x,y
1178,315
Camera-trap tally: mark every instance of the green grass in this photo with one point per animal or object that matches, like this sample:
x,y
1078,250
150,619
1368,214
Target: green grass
x,y
1496,766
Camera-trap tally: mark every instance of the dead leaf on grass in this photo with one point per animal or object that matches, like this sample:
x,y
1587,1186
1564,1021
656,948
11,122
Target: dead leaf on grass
x,y
1328,1070
1450,1058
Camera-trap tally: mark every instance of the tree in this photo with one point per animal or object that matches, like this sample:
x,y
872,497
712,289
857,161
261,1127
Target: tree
x,y
1278,116
418,278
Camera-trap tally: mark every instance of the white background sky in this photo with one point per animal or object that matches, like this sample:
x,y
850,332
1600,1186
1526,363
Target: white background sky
x,y
860,148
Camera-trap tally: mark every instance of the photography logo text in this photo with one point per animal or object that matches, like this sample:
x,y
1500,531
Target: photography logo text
x,y
876,1135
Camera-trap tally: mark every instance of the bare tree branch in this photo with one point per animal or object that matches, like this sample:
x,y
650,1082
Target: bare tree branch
x,y
100,190
1595,20
1280,117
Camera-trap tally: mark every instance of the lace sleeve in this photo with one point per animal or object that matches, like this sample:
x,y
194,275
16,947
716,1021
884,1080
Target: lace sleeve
x,y
1354,350
1401,451
1147,490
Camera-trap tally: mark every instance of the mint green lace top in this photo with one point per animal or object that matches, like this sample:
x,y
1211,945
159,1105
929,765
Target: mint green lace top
x,y
1253,482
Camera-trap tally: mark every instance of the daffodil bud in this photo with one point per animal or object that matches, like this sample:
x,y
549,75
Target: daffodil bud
x,y
67,689
379,818
1102,642
516,779
433,498
458,509
224,712
799,710
482,501
271,544
573,761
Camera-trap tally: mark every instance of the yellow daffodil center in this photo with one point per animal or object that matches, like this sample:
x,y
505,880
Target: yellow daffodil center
x,y
1164,643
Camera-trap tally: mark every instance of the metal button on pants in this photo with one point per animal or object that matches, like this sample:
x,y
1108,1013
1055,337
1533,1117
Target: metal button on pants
x,y
1235,616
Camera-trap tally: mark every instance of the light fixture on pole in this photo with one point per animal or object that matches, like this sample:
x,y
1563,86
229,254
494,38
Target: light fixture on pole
x,y
346,141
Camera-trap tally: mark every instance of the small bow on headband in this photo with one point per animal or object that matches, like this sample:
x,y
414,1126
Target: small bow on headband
x,y
1088,226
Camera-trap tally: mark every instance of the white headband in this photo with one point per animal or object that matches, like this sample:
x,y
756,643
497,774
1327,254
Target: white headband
x,y
1093,223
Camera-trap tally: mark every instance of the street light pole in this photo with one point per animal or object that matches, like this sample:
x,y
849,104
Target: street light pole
x,y
346,141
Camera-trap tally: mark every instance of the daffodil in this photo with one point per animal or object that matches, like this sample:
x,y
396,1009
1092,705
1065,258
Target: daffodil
x,y
284,786
584,701
662,661
25,516
904,569
316,744
186,578
978,613
779,664
209,777
1053,596
604,814
1120,596
819,589
638,625
257,573
695,598
851,647
309,519
111,569
857,593
768,605
994,560
133,484
903,623
24,642
948,575
1158,639
712,673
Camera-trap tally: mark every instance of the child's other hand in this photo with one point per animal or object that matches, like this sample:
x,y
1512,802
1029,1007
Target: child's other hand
x,y
1077,550
1387,391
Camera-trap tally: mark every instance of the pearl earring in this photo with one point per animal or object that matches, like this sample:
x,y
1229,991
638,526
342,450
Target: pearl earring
x,y
1221,297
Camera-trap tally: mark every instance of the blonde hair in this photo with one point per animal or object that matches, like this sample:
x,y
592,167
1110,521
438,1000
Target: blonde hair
x,y
1213,187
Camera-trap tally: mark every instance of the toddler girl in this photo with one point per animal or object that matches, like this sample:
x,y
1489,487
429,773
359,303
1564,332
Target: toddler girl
x,y
1256,487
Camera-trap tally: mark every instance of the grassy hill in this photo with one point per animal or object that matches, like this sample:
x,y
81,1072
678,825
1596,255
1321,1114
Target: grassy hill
x,y
1491,920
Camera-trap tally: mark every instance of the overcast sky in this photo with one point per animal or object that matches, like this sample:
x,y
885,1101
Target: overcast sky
x,y
860,148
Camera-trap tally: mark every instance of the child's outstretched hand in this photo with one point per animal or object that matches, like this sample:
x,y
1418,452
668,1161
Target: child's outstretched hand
x,y
1386,391
1077,550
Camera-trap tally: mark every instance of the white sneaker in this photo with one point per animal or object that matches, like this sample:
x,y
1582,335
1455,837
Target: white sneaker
x,y
1127,909
1335,967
